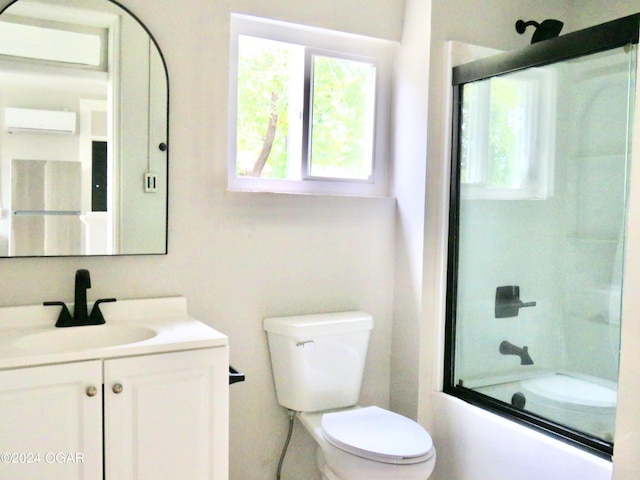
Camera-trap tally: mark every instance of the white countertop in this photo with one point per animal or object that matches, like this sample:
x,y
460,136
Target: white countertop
x,y
168,317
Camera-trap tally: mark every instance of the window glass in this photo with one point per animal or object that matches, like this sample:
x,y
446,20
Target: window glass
x,y
342,112
270,78
534,279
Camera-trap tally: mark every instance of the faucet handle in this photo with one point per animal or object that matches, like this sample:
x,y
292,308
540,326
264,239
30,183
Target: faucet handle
x,y
96,317
64,319
508,302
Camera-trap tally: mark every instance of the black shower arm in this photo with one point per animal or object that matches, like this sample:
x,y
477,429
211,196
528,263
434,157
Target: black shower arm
x,y
521,25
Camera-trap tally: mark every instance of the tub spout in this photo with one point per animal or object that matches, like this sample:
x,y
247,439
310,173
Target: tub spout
x,y
507,348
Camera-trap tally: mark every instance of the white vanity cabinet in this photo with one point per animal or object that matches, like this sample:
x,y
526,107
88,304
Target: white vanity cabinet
x,y
143,397
164,416
51,422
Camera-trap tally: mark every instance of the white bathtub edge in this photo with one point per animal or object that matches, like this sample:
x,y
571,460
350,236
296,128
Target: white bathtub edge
x,y
483,446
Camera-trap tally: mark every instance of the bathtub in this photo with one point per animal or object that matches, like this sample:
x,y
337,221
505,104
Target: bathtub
x,y
481,445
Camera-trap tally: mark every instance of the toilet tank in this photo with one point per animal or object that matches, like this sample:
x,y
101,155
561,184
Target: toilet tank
x,y
318,360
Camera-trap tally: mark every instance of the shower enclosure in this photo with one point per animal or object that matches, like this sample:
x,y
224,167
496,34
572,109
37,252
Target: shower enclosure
x,y
541,155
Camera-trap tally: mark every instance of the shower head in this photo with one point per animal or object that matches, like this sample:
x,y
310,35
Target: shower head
x,y
549,28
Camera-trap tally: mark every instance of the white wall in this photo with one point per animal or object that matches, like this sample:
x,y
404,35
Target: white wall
x,y
239,258
592,12
408,175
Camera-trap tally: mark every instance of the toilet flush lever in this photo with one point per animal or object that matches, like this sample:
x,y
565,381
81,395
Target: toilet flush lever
x,y
308,344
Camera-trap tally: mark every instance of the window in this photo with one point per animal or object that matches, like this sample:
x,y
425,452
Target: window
x,y
507,136
308,109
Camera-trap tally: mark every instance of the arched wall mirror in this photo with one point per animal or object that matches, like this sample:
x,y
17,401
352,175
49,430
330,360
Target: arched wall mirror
x,y
83,131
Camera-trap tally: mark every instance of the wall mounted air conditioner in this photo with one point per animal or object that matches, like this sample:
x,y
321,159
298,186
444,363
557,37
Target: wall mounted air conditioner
x,y
29,120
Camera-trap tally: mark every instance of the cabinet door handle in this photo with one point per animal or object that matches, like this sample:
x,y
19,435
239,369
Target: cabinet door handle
x,y
91,391
117,388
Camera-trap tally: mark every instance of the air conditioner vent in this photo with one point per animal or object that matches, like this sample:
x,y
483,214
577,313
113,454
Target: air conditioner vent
x,y
29,120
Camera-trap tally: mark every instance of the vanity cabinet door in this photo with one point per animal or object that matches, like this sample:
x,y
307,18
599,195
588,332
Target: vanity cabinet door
x,y
51,422
166,416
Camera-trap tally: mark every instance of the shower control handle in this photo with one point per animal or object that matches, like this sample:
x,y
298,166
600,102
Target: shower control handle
x,y
508,301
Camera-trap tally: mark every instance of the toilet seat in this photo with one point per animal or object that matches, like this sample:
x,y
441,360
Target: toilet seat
x,y
379,435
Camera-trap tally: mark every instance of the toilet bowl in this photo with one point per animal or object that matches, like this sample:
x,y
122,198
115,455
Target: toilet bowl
x,y
317,363
369,443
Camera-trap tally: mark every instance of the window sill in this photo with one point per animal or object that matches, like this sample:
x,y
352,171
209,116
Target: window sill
x,y
317,187
308,194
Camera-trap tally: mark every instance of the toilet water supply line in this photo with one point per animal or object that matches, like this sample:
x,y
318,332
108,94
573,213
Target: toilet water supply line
x,y
291,414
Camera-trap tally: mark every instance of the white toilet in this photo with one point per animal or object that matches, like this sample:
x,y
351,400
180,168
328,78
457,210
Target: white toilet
x,y
317,363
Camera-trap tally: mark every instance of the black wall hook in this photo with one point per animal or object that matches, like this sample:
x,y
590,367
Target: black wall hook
x,y
549,28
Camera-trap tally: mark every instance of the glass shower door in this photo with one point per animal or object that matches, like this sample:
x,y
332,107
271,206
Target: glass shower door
x,y
537,240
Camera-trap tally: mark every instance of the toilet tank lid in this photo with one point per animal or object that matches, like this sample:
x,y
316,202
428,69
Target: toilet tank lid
x,y
319,324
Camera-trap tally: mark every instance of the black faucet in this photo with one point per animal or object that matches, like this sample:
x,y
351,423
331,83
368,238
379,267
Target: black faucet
x,y
507,348
83,281
80,311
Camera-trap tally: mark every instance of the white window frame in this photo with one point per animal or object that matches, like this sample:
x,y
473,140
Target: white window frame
x,y
335,44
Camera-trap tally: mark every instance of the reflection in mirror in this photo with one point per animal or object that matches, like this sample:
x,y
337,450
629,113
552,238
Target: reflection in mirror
x,y
83,131
507,144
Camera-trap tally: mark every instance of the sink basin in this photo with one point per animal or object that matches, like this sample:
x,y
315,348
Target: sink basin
x,y
83,338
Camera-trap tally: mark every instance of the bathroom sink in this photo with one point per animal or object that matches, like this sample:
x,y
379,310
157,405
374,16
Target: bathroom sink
x,y
84,338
